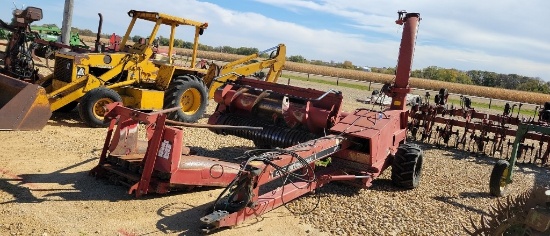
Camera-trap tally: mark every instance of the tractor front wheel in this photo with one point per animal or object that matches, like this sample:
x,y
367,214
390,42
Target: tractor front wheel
x,y
498,184
92,106
189,93
407,166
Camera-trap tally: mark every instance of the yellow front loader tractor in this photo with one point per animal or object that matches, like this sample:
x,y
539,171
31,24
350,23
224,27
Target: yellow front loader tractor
x,y
93,80
89,81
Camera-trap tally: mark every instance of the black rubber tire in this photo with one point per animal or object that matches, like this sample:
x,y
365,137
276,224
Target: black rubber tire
x,y
499,172
89,100
174,93
443,91
436,99
407,166
67,108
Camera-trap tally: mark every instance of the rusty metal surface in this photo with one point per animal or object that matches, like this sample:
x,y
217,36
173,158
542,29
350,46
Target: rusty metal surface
x,y
160,164
288,114
23,106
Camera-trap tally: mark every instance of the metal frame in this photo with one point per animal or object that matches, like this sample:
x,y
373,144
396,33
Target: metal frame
x,y
161,164
361,144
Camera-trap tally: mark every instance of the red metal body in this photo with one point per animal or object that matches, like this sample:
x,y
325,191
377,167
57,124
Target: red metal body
x,y
161,163
313,109
114,43
361,145
289,115
379,135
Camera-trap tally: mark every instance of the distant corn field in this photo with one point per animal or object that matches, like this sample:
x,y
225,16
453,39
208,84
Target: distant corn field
x,y
472,90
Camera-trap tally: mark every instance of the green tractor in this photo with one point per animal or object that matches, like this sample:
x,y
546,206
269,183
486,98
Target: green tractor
x,y
4,35
52,33
48,35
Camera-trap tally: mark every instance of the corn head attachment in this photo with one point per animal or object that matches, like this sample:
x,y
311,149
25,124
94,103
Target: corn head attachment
x,y
23,106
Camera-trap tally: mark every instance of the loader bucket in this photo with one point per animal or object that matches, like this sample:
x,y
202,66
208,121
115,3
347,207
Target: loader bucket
x,y
23,106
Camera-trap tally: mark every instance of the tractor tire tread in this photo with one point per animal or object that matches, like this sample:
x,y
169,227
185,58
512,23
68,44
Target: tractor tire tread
x,y
405,170
496,176
85,107
174,93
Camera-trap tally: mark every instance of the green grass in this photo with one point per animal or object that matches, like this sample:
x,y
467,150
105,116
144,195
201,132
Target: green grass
x,y
494,107
321,81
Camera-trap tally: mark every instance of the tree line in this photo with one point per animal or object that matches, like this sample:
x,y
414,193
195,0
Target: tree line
x,y
477,77
474,77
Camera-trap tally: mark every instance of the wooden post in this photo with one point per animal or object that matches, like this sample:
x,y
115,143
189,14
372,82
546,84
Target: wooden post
x,y
337,79
307,76
288,81
490,101
370,85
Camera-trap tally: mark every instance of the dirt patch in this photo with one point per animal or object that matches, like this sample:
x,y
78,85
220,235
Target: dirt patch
x,y
46,189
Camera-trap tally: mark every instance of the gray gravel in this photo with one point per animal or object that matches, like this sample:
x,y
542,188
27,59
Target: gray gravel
x,y
45,190
454,187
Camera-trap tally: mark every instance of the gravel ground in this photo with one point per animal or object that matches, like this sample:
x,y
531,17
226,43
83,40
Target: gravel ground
x,y
45,190
454,187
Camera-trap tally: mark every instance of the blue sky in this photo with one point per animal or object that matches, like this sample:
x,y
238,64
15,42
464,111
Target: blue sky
x,y
503,36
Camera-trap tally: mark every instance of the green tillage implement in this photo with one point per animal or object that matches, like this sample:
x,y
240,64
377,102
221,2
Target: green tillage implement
x,y
502,172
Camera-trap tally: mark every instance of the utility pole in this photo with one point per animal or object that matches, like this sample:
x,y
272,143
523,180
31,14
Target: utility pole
x,y
67,21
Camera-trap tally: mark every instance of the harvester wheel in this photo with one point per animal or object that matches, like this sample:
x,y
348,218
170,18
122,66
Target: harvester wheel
x,y
498,184
91,107
189,93
407,166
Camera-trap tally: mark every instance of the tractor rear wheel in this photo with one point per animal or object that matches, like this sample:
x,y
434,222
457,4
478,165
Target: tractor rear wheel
x,y
498,184
407,166
188,92
92,106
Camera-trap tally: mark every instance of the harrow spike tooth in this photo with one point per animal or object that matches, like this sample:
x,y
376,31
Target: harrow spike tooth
x,y
494,208
473,224
484,223
500,206
468,231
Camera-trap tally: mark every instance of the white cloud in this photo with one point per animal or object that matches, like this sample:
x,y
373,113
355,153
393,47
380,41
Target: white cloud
x,y
502,36
506,30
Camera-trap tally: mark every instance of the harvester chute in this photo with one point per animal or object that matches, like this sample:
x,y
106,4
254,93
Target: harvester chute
x,y
23,106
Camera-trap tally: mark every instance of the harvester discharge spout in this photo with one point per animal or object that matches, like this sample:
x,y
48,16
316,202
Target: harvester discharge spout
x,y
400,88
